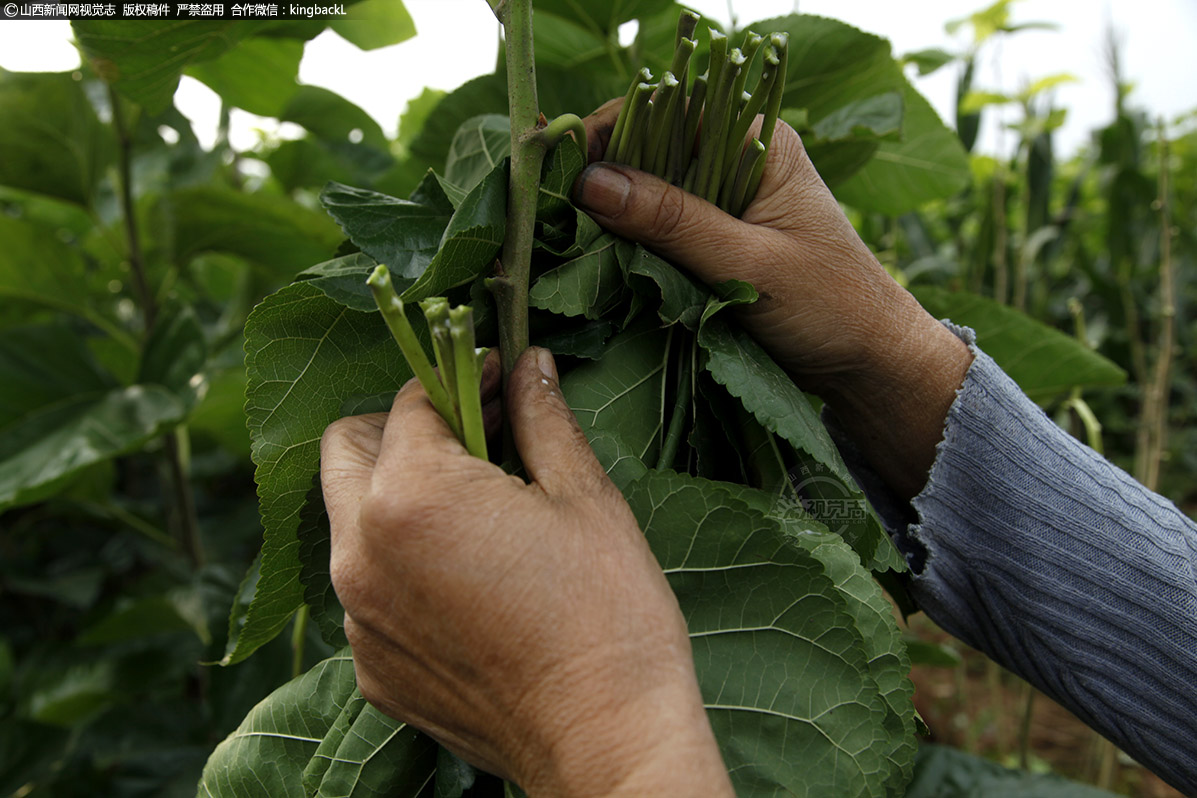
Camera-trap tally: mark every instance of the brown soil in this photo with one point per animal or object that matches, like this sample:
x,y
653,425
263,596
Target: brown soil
x,y
979,707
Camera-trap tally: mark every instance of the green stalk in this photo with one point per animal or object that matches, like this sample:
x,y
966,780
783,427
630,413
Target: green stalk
x,y
714,130
681,57
468,378
643,76
780,42
735,69
752,43
698,97
391,307
436,313
735,200
660,127
687,22
523,188
677,420
632,131
718,56
552,135
299,633
756,102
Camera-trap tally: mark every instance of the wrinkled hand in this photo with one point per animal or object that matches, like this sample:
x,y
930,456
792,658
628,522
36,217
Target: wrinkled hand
x,y
526,626
828,312
824,297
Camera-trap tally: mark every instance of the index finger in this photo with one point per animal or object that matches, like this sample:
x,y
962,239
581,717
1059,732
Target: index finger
x,y
599,125
416,440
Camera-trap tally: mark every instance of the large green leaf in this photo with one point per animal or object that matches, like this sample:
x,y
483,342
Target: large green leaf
x,y
175,354
588,285
471,241
778,616
317,736
344,280
740,365
375,23
600,17
479,145
621,395
566,43
482,95
52,140
1043,361
38,268
143,60
333,119
837,74
268,230
305,355
62,413
403,234
676,295
259,74
928,163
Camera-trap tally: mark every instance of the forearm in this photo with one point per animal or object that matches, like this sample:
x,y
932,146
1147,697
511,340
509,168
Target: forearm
x,y
894,409
660,745
1033,548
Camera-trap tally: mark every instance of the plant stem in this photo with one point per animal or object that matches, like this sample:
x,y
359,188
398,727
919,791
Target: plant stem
x,y
714,126
436,314
469,376
391,307
781,43
660,129
1153,418
145,297
177,479
643,76
677,420
633,126
762,92
737,198
1024,728
527,154
299,633
552,135
698,97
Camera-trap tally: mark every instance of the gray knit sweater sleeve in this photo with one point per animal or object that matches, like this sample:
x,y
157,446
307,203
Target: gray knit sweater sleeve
x,y
1033,548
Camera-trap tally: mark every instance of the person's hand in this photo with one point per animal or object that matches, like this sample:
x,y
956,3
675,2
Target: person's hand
x,y
828,312
524,625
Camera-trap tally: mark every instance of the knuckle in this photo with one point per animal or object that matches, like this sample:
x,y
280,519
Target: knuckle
x,y
669,216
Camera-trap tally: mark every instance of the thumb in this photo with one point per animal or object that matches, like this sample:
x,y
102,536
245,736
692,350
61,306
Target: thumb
x,y
674,223
552,446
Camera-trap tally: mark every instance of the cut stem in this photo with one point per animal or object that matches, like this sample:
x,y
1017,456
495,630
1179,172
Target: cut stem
x,y
714,129
698,97
735,200
468,379
436,313
781,43
391,307
764,87
643,76
632,131
660,127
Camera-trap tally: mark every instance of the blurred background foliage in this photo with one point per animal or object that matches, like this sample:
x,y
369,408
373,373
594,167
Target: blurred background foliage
x,y
130,256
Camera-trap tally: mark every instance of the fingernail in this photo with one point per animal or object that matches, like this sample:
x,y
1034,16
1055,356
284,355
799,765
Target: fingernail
x,y
544,359
603,190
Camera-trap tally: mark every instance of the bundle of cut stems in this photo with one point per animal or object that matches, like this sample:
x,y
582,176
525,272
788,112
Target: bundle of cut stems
x,y
693,132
